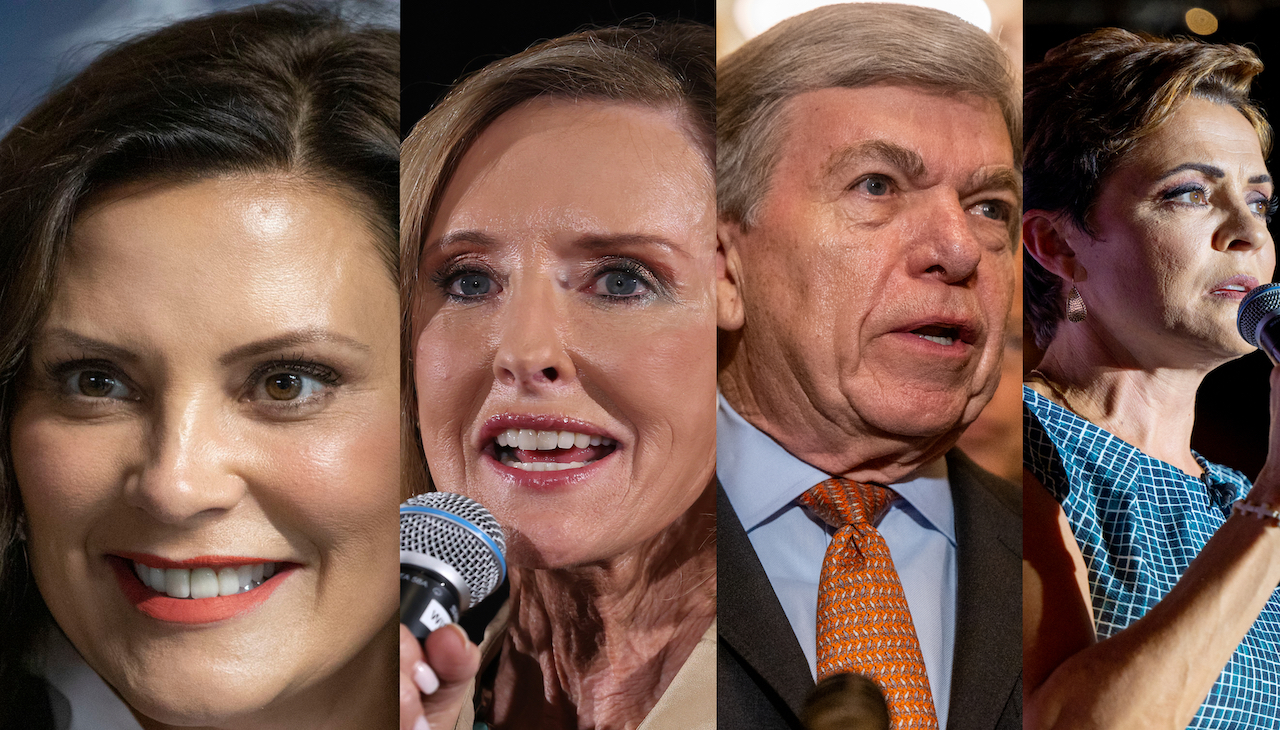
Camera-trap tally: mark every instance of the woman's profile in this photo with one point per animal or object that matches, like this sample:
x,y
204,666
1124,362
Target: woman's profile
x,y
1150,572
199,381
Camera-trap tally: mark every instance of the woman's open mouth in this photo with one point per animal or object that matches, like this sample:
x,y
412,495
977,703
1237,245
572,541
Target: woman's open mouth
x,y
532,450
200,590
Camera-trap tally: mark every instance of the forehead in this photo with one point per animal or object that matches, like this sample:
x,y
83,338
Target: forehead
x,y
954,134
1200,131
214,252
555,164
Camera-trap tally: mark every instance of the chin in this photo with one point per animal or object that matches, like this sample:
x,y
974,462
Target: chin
x,y
196,703
920,413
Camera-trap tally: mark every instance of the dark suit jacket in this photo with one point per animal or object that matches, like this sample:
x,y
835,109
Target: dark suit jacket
x,y
762,676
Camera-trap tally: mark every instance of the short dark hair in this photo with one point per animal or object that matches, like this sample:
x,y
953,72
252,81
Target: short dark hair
x,y
1091,102
656,64
287,88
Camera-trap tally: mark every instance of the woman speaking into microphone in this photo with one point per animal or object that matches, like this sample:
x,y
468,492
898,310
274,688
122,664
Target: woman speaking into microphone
x,y
1150,572
558,254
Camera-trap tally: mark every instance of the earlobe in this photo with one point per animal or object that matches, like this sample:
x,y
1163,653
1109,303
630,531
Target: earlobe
x,y
1047,237
729,309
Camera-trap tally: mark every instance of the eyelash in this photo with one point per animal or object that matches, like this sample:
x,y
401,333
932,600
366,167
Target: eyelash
x,y
626,265
1273,203
445,278
60,372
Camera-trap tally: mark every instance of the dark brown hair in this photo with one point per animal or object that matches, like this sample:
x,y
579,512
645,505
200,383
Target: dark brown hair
x,y
662,65
1089,103
277,88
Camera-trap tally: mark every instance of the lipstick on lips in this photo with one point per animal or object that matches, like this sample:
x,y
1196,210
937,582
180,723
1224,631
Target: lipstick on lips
x,y
160,605
1234,288
544,450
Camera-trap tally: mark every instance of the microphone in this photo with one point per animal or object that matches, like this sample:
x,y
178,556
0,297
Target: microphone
x,y
452,555
1259,320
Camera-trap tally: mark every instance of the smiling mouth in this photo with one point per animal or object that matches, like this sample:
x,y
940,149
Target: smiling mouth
x,y
210,582
531,450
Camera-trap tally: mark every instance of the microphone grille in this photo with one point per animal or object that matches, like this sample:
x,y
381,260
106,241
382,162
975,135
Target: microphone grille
x,y
460,532
1256,306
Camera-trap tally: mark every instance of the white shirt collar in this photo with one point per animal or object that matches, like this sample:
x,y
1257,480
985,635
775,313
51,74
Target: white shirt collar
x,y
762,479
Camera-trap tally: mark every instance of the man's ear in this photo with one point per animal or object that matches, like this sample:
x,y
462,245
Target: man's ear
x,y
729,310
1048,236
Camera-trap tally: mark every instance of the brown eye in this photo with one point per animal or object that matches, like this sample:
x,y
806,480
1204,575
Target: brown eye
x,y
283,386
96,384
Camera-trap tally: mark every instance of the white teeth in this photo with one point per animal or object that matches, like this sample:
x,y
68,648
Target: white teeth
x,y
228,582
204,582
948,341
543,465
528,439
177,582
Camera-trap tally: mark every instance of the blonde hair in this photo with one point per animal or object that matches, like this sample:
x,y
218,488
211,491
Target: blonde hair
x,y
662,65
849,46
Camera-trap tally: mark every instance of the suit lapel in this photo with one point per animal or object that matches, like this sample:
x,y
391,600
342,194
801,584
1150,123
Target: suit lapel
x,y
987,669
750,619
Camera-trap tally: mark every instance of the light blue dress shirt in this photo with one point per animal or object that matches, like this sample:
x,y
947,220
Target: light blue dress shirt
x,y
763,481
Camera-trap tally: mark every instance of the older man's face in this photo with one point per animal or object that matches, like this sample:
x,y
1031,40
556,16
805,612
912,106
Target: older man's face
x,y
877,276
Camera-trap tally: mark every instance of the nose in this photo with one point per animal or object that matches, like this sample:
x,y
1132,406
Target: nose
x,y
941,242
1243,229
531,352
187,469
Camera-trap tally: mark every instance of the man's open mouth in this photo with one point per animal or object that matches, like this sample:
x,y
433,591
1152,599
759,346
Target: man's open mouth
x,y
531,450
946,335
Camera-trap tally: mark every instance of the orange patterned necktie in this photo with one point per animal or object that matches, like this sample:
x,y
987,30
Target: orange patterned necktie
x,y
864,624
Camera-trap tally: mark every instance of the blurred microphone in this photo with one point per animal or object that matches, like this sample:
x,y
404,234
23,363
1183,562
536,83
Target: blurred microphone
x,y
1259,320
846,701
452,555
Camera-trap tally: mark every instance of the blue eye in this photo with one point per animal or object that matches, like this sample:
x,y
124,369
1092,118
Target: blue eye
x,y
621,284
90,383
876,185
470,285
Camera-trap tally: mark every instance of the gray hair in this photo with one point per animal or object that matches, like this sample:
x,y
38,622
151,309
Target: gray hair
x,y
848,46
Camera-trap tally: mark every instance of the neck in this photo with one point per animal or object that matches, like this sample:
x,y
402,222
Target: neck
x,y
1148,404
353,697
595,646
839,443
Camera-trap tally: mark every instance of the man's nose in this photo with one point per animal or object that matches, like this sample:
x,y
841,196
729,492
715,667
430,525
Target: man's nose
x,y
531,352
189,467
942,243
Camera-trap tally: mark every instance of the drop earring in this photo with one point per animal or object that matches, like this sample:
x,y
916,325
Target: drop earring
x,y
1076,311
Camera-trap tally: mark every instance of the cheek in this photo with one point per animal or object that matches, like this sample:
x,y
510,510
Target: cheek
x,y
452,374
67,474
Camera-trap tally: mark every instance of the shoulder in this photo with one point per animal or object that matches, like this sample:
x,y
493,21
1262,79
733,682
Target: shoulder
x,y
972,481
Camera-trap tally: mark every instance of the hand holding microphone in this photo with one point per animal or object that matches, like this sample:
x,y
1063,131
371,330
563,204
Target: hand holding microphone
x,y
452,555
1259,325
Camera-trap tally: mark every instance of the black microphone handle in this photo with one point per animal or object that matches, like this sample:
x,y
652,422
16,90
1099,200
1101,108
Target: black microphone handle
x,y
1269,339
427,600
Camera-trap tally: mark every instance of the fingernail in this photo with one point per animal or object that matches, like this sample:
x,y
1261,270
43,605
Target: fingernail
x,y
459,636
421,724
425,679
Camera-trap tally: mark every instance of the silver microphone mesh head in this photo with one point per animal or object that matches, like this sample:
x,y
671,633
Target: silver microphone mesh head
x,y
1254,308
471,541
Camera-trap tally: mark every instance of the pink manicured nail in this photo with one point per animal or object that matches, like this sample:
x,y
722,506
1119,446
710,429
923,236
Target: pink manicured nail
x,y
425,679
421,724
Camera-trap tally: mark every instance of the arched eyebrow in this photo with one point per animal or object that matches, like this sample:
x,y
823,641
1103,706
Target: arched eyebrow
x,y
1213,171
466,235
290,340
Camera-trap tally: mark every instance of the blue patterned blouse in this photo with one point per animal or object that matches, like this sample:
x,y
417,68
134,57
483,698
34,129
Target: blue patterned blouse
x,y
1140,522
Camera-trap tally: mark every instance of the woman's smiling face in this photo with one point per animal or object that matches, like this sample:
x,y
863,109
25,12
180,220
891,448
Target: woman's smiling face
x,y
565,328
214,394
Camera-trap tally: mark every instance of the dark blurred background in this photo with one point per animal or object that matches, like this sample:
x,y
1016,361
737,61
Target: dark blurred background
x,y
1232,406
445,41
